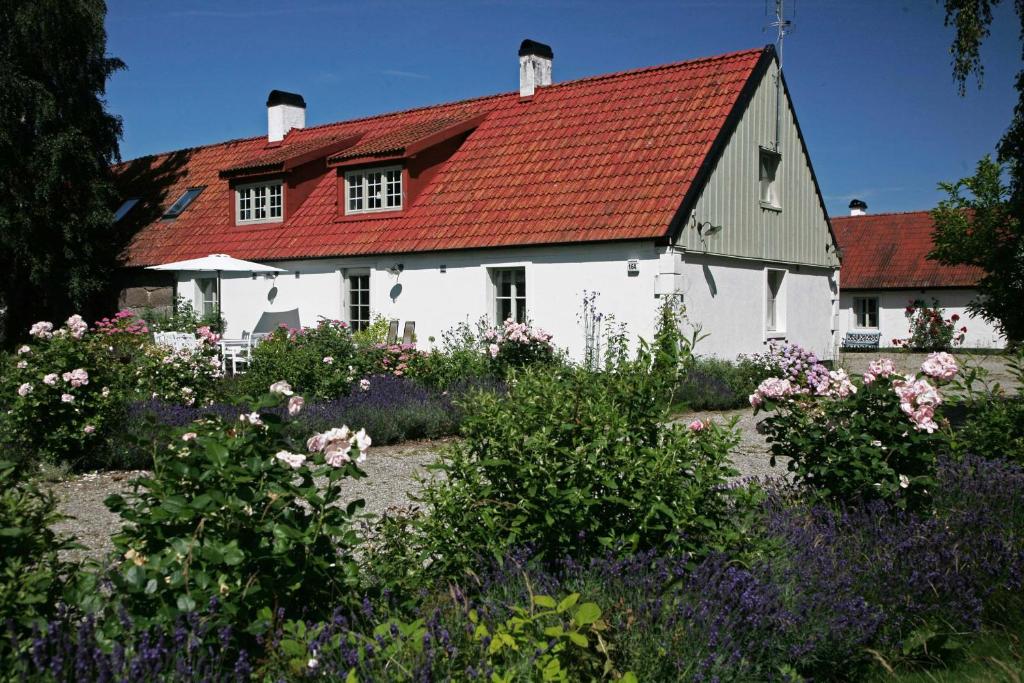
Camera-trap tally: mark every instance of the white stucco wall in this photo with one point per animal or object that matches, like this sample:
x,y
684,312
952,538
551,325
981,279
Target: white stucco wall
x,y
729,305
728,298
893,324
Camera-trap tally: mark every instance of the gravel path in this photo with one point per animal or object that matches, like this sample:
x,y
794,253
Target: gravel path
x,y
394,474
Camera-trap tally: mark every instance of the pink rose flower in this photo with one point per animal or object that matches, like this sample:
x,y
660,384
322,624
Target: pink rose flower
x,y
883,367
940,365
295,404
328,360
364,385
24,390
696,426
88,429
293,460
67,398
41,330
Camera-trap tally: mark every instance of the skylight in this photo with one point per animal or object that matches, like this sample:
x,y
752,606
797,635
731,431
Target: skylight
x,y
125,208
183,201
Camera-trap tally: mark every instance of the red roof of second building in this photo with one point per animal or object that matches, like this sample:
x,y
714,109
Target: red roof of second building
x,y
890,251
603,158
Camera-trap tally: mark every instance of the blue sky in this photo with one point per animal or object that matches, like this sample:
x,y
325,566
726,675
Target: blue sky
x,y
870,79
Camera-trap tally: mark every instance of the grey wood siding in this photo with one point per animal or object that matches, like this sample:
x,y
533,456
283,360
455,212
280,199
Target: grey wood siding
x,y
799,232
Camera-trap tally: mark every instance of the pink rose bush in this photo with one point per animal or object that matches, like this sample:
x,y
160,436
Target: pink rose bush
x,y
187,376
848,438
515,344
57,397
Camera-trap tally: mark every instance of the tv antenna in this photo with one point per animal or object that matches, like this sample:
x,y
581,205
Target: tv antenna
x,y
783,27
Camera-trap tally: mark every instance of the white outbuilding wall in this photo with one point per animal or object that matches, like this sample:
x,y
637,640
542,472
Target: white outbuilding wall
x,y
437,290
893,323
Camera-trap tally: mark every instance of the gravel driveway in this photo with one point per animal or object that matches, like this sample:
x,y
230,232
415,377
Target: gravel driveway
x,y
394,472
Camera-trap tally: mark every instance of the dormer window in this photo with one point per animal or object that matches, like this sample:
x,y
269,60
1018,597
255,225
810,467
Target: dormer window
x,y
259,202
373,189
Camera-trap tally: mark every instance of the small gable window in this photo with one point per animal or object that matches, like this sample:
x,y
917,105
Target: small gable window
x,y
768,168
259,202
182,203
373,189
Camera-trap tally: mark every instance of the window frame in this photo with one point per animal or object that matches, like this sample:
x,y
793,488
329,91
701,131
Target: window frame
x,y
514,298
356,324
185,200
201,295
125,208
773,201
775,304
268,204
385,189
857,313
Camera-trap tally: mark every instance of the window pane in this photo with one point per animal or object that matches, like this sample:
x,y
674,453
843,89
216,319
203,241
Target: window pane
x,y
521,309
275,201
359,301
504,309
374,198
394,188
245,204
259,202
355,192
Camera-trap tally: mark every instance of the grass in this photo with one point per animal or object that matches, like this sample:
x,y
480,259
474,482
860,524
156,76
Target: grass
x,y
995,656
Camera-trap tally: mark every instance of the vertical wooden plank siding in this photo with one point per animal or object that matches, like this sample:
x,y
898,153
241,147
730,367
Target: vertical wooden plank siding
x,y
796,234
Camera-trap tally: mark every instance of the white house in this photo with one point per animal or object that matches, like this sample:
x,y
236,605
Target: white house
x,y
886,267
689,178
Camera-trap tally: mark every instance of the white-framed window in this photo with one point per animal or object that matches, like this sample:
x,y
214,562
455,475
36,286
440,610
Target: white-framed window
x,y
775,303
207,294
260,202
865,312
357,300
373,189
509,294
768,169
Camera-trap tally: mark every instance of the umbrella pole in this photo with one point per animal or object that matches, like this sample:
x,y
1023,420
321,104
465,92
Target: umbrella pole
x,y
220,323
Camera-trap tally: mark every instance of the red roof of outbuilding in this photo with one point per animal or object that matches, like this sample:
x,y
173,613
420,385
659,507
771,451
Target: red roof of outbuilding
x,y
604,158
890,251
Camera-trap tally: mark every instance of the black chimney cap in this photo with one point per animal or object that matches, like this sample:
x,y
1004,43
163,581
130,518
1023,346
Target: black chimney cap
x,y
858,204
282,97
532,47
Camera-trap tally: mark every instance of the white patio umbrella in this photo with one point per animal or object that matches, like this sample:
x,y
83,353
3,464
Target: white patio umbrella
x,y
218,263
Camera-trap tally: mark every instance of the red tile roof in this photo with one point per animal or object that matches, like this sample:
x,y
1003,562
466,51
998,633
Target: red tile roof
x,y
300,145
604,158
890,251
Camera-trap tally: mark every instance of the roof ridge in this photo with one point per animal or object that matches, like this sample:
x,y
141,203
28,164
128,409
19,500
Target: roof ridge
x,y
884,213
479,98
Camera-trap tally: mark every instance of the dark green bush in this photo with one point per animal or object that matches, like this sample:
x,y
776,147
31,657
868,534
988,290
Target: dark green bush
x,y
570,462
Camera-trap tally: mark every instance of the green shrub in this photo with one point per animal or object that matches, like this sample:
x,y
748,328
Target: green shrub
x,y
30,567
992,421
184,318
717,384
929,330
460,357
570,462
234,512
321,361
187,376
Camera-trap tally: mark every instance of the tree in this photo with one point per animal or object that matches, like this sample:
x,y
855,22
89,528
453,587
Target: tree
x,y
977,226
57,144
984,226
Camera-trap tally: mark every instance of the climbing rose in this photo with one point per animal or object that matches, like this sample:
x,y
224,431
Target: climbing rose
x,y
282,388
77,377
41,330
50,379
77,326
940,365
293,460
883,367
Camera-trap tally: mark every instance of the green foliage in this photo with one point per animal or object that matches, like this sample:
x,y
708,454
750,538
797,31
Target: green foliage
x,y
563,639
708,383
30,569
184,318
374,333
320,362
63,398
992,420
188,376
56,146
458,358
570,477
979,225
225,515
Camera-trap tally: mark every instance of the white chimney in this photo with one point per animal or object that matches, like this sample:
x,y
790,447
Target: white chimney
x,y
285,110
858,208
534,66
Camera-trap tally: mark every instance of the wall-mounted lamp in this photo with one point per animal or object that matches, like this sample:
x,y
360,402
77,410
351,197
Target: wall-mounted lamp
x,y
396,269
444,268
